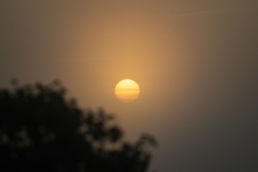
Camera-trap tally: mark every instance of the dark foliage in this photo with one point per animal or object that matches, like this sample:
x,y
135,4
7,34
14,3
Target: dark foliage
x,y
42,130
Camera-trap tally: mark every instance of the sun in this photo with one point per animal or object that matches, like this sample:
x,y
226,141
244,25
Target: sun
x,y
127,90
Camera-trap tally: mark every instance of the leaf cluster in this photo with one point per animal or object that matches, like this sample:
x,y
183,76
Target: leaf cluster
x,y
42,130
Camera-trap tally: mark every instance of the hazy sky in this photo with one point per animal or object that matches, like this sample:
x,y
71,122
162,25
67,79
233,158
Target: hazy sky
x,y
196,62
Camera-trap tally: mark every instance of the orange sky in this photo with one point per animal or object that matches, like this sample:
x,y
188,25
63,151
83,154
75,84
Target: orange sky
x,y
195,62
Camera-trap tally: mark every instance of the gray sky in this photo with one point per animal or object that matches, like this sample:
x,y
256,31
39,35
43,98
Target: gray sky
x,y
196,63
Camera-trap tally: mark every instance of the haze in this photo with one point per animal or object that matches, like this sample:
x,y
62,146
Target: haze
x,y
195,62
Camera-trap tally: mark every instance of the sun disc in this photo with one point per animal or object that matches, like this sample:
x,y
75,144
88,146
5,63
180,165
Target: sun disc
x,y
127,90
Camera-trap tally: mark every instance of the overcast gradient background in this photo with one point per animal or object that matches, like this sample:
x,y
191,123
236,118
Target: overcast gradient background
x,y
196,62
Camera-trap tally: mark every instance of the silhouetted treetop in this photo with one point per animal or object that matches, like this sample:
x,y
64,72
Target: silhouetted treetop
x,y
43,130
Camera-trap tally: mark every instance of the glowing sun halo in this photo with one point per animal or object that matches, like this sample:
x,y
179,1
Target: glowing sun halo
x,y
127,90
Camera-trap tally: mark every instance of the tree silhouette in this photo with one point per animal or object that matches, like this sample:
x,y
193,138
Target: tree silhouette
x,y
42,130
